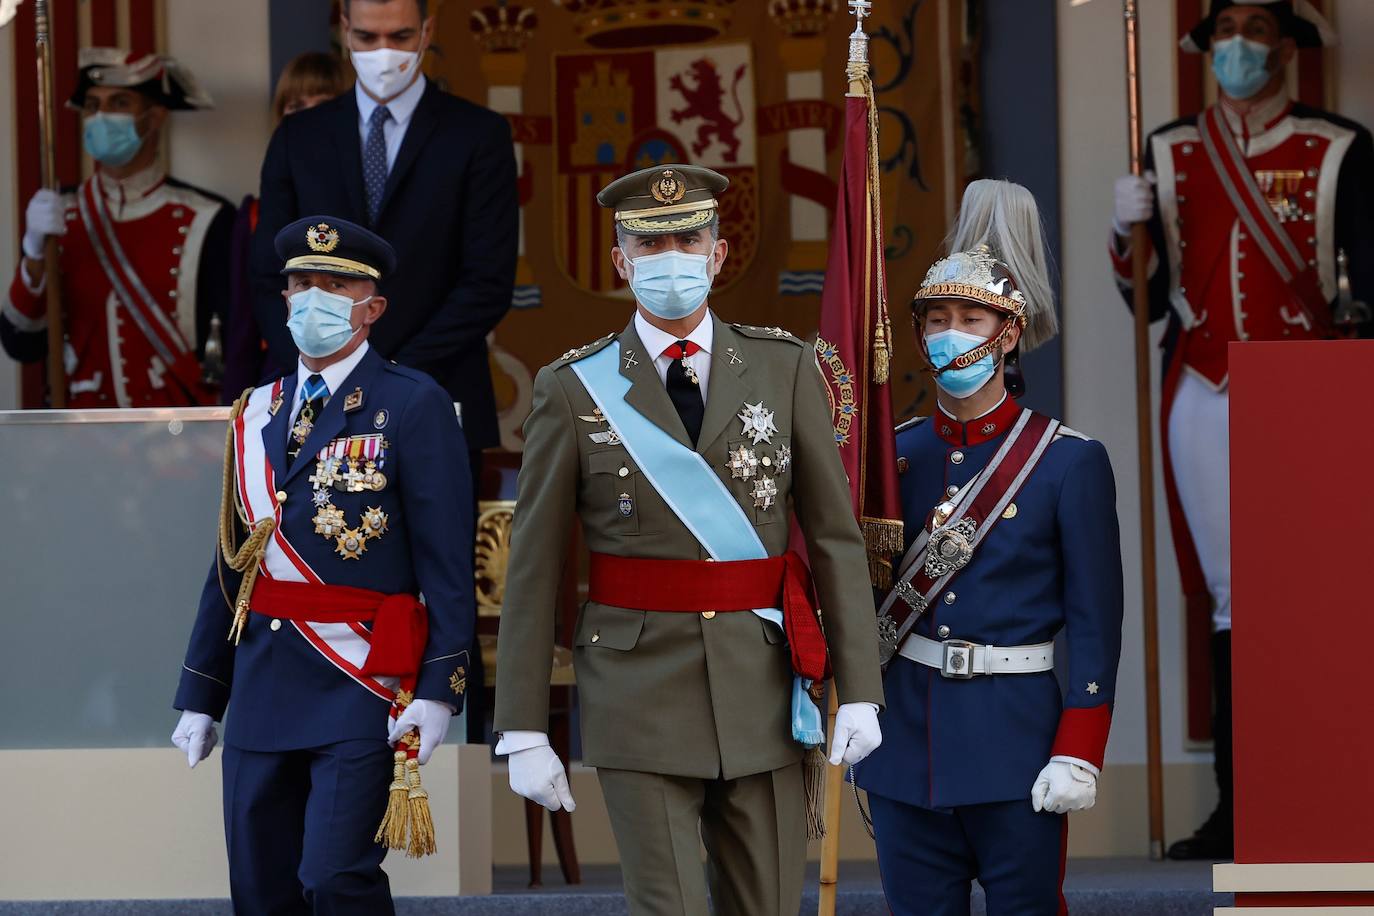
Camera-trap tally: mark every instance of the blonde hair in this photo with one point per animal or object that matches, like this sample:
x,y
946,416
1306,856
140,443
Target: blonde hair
x,y
1003,216
311,73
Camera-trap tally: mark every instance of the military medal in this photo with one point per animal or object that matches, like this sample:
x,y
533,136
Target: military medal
x,y
350,544
627,505
374,523
764,493
887,639
373,479
784,459
326,473
743,463
304,424
329,522
758,423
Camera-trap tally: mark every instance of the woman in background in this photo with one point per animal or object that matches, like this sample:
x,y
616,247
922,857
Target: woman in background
x,y
306,81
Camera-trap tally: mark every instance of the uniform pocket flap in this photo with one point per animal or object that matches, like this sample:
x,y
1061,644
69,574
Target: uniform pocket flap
x,y
609,627
611,462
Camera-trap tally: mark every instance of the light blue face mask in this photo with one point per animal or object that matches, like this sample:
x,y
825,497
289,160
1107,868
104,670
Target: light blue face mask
x,y
111,139
1241,66
946,346
671,284
319,321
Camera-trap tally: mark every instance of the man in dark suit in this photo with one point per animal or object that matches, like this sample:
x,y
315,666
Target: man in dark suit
x,y
432,174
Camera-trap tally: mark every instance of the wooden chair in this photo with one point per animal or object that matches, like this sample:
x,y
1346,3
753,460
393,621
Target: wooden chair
x,y
490,569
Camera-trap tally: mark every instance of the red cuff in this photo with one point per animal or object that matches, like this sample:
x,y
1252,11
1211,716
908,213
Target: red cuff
x,y
1121,263
1083,734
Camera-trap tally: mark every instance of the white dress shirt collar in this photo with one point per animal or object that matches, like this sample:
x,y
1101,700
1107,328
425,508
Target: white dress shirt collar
x,y
402,107
334,375
656,340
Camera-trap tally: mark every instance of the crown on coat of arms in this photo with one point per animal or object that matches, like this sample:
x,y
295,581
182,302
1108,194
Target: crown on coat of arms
x,y
633,23
503,27
800,18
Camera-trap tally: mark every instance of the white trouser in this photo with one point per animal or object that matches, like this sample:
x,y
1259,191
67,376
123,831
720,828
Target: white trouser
x,y
1200,451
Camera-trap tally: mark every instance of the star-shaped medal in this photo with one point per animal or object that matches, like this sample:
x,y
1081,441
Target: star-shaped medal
x,y
765,491
743,463
1092,687
758,422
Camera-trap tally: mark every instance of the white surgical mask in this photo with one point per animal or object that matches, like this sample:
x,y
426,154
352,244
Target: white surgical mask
x,y
386,71
671,284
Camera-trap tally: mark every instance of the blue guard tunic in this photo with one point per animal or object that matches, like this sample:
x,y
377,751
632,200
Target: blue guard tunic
x,y
950,786
306,759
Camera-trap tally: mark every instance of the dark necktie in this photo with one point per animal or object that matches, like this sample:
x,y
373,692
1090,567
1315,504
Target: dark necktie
x,y
684,388
374,161
315,393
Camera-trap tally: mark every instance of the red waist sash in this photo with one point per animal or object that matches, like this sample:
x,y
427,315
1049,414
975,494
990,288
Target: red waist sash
x,y
400,623
694,586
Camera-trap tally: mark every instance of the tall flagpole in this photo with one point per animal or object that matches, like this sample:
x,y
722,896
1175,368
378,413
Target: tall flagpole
x,y
857,70
1140,240
57,373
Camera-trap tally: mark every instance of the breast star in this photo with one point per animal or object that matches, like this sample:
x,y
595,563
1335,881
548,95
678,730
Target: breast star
x,y
1092,687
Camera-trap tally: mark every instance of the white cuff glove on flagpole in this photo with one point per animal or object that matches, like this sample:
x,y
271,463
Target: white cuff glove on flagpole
x,y
1062,787
856,733
195,734
1134,202
431,717
44,217
536,772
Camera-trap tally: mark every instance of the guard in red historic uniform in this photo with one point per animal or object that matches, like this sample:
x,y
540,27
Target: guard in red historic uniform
x,y
1261,221
144,257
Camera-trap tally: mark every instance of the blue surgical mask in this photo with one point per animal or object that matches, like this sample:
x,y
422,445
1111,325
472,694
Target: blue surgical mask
x,y
671,284
319,321
111,139
1241,66
944,347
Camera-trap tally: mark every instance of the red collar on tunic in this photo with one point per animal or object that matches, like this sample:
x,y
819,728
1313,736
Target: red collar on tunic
x,y
975,432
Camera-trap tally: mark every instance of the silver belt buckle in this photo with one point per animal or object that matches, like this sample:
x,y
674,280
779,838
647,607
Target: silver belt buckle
x,y
958,660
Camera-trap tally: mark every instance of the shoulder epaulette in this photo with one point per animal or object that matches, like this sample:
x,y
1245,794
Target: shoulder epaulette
x,y
750,330
583,351
1066,431
910,424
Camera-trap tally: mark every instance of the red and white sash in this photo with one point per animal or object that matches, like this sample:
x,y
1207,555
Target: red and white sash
x,y
981,502
345,645
1254,212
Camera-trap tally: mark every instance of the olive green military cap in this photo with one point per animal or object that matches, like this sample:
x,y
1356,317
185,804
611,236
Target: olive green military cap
x,y
664,199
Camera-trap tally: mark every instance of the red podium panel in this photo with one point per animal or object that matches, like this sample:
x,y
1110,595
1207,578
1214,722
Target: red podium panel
x,y
1302,555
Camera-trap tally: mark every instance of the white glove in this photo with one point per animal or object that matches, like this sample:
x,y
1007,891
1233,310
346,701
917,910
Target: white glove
x,y
856,733
45,216
536,773
195,734
431,717
1134,202
1062,787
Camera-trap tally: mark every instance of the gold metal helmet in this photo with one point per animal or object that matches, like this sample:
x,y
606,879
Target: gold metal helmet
x,y
978,277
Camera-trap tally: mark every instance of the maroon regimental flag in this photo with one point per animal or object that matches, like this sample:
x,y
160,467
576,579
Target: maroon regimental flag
x,y
854,347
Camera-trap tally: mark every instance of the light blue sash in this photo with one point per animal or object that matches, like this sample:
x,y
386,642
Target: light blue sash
x,y
695,494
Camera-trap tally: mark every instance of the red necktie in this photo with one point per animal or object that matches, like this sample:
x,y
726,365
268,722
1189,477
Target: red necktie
x,y
676,350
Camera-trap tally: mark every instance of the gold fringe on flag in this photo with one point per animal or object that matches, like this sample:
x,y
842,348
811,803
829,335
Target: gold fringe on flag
x,y
247,558
884,538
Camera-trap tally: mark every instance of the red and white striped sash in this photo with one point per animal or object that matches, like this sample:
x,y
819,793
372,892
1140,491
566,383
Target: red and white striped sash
x,y
345,645
1256,215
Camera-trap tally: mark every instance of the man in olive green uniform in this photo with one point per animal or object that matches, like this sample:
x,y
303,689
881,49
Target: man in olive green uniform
x,y
683,444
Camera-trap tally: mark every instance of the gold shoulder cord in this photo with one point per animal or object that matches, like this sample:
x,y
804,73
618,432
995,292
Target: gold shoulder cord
x,y
247,558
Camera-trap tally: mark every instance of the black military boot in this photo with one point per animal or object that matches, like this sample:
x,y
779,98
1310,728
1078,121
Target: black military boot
x,y
1215,839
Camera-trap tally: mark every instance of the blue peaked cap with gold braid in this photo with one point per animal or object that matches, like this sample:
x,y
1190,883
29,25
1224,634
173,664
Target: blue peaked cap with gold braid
x,y
329,245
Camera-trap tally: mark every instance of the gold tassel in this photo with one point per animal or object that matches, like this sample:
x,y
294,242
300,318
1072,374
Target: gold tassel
x,y
422,842
813,781
882,351
879,571
391,832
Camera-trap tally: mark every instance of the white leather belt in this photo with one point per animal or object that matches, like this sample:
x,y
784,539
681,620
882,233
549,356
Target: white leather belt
x,y
955,658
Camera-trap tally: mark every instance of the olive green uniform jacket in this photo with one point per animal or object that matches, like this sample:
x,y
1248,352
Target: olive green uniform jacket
x,y
669,692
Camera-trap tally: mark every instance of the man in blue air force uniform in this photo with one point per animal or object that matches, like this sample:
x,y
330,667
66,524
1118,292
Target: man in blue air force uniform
x,y
350,485
1012,533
